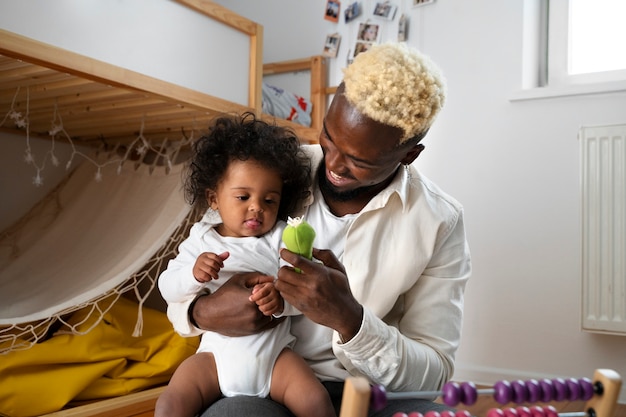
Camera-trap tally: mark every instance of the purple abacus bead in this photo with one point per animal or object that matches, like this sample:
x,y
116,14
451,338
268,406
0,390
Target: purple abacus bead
x,y
469,393
502,392
587,388
547,390
574,389
378,398
534,390
560,389
462,413
520,392
451,394
495,412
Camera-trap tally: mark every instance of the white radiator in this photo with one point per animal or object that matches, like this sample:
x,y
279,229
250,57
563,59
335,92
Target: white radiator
x,y
603,185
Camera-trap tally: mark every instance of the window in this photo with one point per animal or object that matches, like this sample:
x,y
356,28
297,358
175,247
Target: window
x,y
597,35
586,41
574,46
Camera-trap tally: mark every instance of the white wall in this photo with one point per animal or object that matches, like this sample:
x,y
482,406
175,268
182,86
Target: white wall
x,y
163,39
514,166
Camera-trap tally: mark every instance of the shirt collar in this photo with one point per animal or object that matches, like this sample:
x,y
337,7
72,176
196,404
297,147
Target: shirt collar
x,y
398,186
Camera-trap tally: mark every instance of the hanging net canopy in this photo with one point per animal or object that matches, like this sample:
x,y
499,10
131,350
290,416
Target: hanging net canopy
x,y
87,241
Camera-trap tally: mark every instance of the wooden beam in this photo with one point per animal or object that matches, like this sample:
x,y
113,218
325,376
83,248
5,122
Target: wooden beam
x,y
138,404
318,96
222,15
293,65
49,56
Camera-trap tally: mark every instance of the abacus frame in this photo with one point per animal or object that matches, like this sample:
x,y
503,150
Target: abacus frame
x,y
607,384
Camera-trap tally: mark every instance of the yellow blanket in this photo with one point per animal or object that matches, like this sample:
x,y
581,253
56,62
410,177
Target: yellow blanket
x,y
106,362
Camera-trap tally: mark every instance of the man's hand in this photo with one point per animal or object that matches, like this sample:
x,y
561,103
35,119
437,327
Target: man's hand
x,y
229,311
320,291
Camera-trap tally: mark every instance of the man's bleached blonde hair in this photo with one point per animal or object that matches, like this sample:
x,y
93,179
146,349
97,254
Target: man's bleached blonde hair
x,y
396,85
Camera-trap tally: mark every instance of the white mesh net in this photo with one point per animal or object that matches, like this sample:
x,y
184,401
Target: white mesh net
x,y
86,243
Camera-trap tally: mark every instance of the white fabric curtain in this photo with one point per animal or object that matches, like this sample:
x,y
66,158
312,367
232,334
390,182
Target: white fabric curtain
x,y
87,239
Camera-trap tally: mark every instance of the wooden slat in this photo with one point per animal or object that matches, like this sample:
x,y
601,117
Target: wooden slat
x,y
292,65
256,76
318,96
57,84
223,15
304,133
132,405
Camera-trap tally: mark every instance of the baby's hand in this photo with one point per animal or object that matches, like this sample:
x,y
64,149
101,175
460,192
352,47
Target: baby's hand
x,y
267,298
208,265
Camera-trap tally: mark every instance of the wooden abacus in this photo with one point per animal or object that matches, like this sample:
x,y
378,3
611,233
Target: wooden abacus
x,y
600,395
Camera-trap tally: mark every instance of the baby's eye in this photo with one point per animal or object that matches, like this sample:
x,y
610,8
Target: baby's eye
x,y
242,197
271,201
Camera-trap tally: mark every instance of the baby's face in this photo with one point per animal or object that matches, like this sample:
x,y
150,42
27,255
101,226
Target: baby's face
x,y
248,198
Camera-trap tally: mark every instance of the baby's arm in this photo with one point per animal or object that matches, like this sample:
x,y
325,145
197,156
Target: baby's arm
x,y
267,299
183,278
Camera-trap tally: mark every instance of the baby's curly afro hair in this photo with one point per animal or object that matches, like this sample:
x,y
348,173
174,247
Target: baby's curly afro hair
x,y
244,137
397,86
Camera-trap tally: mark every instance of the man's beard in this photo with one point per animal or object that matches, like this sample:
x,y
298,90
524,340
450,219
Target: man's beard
x,y
332,193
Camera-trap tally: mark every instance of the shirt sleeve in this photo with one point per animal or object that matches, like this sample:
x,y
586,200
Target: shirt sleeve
x,y
178,314
416,352
178,286
288,310
177,282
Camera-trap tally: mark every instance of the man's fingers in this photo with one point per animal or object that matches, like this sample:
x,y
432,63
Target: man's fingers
x,y
328,258
250,279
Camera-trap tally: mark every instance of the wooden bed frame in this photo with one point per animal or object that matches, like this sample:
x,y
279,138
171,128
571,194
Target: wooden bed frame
x,y
140,404
101,102
107,103
317,67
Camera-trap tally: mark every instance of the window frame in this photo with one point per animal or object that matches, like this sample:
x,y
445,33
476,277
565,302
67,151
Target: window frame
x,y
545,57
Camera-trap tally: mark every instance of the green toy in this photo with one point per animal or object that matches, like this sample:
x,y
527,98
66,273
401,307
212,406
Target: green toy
x,y
298,237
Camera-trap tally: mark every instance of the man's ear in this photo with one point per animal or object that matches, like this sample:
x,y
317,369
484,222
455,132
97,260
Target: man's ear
x,y
412,154
211,199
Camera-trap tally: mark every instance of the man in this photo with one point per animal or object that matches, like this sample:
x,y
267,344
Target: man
x,y
384,297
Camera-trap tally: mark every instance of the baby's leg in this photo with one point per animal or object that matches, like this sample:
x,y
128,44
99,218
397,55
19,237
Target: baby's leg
x,y
295,385
193,387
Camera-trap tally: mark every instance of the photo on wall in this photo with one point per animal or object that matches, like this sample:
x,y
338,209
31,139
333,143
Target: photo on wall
x,y
332,10
367,35
368,32
403,28
385,10
352,11
331,47
418,3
